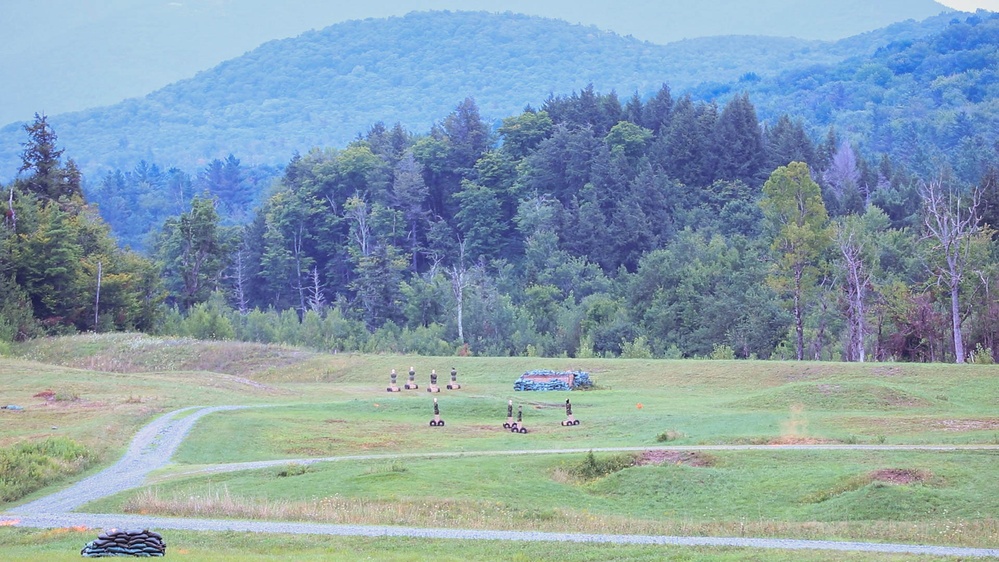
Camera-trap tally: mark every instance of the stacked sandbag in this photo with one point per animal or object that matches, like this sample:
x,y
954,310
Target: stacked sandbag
x,y
141,543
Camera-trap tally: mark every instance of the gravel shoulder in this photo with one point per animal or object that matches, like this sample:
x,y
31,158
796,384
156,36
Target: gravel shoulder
x,y
153,446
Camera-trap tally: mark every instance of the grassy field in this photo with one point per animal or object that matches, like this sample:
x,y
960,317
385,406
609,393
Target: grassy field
x,y
99,389
62,545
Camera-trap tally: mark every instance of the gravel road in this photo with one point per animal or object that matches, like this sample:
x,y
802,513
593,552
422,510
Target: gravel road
x,y
155,444
151,449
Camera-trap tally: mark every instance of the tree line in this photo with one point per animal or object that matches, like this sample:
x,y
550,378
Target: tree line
x,y
591,226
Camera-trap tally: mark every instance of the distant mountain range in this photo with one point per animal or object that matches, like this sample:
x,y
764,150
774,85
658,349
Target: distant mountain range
x,y
67,55
323,88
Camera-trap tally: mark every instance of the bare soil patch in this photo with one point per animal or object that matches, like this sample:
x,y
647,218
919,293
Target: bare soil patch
x,y
886,371
969,425
683,458
798,440
900,476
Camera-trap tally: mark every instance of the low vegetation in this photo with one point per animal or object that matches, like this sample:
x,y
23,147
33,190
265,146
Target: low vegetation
x,y
63,545
335,407
28,466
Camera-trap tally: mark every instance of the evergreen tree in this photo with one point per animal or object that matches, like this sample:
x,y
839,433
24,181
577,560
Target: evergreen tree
x,y
410,194
738,142
657,112
684,144
47,177
786,141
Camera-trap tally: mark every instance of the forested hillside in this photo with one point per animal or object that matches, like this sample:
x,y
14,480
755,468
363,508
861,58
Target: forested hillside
x,y
325,87
69,55
592,224
924,101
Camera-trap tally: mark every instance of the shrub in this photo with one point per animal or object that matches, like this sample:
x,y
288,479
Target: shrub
x,y
592,467
294,469
722,352
981,355
26,467
669,435
637,349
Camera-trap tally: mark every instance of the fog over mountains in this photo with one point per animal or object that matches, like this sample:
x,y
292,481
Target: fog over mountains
x,y
323,88
68,55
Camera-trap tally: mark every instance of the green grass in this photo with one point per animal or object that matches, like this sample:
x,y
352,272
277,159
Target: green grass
x,y
336,405
60,545
778,493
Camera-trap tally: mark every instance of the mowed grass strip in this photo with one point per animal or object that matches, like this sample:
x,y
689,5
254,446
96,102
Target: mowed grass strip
x,y
63,545
913,497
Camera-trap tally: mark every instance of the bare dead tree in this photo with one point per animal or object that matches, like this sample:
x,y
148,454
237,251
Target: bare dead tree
x,y
317,301
239,281
459,281
11,213
857,279
357,209
950,225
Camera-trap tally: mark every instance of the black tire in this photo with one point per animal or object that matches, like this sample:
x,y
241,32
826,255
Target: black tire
x,y
433,423
506,425
441,424
523,430
575,422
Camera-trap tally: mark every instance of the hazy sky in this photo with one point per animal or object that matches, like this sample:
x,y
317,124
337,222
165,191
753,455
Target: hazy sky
x,y
972,5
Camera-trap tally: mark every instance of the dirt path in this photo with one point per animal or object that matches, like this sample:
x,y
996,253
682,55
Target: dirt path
x,y
150,450
153,446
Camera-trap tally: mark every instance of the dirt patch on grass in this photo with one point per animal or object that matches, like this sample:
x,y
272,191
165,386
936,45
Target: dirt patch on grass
x,y
900,476
902,425
968,425
547,405
683,458
887,371
798,440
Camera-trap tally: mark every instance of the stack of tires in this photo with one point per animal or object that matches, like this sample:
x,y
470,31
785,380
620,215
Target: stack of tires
x,y
545,380
527,384
125,543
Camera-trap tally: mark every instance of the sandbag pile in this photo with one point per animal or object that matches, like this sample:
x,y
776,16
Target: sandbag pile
x,y
125,543
545,380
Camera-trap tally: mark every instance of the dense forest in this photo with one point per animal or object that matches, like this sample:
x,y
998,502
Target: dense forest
x,y
858,227
589,226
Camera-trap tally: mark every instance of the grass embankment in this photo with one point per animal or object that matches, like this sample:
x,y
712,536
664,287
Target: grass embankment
x,y
909,497
336,405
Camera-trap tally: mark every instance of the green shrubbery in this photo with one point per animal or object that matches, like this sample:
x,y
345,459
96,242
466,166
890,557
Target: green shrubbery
x,y
26,467
593,467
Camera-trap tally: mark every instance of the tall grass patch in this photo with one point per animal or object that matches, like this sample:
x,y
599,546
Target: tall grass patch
x,y
26,467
